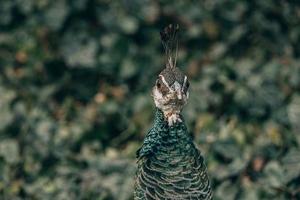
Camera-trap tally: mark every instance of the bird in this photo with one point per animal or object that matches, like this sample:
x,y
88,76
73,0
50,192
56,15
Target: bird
x,y
169,165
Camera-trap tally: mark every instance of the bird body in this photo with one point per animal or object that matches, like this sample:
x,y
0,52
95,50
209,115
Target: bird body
x,y
170,167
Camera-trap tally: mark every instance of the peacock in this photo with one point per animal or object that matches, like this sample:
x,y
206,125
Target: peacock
x,y
169,164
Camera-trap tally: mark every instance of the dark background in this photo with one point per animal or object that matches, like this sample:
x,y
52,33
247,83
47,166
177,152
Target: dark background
x,y
75,104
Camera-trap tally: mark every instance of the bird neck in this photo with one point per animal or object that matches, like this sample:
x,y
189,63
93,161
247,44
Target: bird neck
x,y
162,136
165,132
159,118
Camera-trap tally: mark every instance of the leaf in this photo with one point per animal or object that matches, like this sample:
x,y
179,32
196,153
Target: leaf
x,y
79,51
274,175
9,150
294,111
291,165
55,16
128,24
227,190
128,68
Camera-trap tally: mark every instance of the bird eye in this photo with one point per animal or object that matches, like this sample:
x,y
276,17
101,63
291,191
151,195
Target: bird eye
x,y
187,85
158,84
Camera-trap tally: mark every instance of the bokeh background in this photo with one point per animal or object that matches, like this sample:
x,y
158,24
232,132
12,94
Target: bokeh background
x,y
75,104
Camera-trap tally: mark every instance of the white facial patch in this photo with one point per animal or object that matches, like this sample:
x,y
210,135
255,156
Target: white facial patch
x,y
178,90
177,86
184,82
165,82
158,97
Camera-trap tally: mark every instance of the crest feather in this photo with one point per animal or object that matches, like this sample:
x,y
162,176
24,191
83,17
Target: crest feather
x,y
169,38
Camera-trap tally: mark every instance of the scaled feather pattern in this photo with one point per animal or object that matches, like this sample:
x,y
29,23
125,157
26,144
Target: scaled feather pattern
x,y
169,165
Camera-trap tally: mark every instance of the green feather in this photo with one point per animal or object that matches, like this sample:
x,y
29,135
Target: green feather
x,y
169,165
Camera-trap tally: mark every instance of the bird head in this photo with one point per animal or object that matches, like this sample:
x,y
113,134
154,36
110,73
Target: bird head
x,y
170,91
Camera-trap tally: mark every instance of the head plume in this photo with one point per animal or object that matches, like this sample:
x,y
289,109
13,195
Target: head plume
x,y
169,38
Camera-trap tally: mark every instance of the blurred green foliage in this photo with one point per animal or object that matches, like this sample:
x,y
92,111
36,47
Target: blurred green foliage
x,y
75,96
